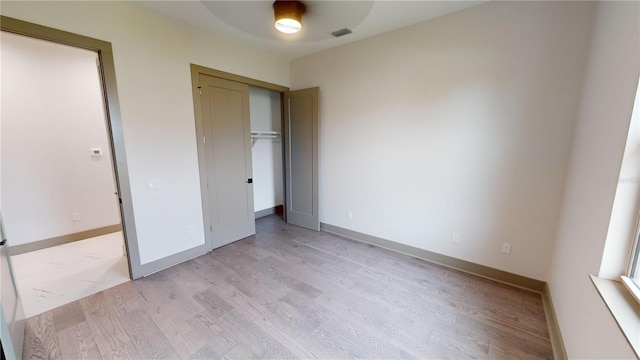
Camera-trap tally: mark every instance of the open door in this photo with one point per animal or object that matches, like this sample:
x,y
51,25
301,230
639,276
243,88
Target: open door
x,y
11,312
301,157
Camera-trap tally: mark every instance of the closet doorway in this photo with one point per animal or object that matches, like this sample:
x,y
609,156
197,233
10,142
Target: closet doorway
x,y
267,151
225,157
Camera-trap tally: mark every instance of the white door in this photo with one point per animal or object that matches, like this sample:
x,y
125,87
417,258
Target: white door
x,y
226,125
301,157
11,312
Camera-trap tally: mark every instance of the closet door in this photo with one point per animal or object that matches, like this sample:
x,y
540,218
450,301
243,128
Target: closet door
x,y
301,157
226,125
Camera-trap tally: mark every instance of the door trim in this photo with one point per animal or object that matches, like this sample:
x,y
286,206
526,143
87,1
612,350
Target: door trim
x,y
114,120
196,71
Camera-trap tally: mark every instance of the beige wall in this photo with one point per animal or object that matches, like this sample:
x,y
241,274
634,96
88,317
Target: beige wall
x,y
588,329
53,114
152,54
461,124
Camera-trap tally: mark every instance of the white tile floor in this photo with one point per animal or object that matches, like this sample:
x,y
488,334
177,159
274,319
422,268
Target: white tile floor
x,y
55,276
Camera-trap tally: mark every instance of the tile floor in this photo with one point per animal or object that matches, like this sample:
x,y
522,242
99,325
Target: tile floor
x,y
55,276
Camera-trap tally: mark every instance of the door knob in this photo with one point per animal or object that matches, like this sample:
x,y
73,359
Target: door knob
x,y
249,181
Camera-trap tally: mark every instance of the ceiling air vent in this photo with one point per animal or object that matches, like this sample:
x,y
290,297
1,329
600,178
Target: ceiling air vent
x,y
341,32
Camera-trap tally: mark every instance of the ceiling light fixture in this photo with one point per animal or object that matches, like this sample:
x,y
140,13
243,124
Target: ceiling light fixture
x,y
288,16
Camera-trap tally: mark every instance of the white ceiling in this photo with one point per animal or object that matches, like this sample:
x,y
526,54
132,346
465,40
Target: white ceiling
x,y
251,22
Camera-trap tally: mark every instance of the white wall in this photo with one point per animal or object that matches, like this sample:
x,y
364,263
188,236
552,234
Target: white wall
x,y
588,329
152,54
53,114
460,124
265,110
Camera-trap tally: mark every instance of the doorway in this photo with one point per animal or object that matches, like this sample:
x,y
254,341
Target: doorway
x,y
266,151
58,183
12,326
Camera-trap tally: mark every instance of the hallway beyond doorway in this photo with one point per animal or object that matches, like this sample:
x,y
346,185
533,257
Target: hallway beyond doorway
x,y
58,275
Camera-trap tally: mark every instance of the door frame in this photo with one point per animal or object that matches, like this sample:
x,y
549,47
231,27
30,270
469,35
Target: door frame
x,y
114,121
196,71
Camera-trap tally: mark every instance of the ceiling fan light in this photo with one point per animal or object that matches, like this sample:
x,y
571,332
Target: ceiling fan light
x,y
288,26
288,16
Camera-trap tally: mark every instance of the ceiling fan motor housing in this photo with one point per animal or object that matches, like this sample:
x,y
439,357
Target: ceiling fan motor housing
x,y
288,10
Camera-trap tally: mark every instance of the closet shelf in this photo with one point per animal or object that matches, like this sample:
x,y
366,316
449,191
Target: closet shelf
x,y
255,135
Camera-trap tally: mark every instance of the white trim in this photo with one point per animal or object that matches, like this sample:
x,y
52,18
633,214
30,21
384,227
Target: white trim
x,y
624,308
632,287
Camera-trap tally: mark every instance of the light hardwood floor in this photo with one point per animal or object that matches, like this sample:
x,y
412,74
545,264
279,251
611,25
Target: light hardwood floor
x,y
292,293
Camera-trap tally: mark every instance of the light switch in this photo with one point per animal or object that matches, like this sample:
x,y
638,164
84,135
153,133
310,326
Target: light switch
x,y
153,184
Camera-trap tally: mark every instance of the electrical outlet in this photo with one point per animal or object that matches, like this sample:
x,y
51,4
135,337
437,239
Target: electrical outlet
x,y
75,216
189,230
506,248
455,238
349,214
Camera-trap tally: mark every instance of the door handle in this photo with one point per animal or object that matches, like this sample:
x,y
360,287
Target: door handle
x,y
249,181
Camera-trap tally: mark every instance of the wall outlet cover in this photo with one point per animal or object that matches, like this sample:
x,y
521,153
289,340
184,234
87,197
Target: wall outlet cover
x,y
455,238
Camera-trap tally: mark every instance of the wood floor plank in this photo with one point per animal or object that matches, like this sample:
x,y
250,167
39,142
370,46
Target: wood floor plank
x,y
353,341
232,295
77,342
149,340
218,339
67,316
168,313
212,302
40,338
261,344
283,277
295,344
401,332
109,334
508,339
288,292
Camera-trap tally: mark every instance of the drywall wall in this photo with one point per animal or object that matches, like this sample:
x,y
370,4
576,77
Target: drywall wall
x,y
588,329
266,115
152,54
462,124
53,114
